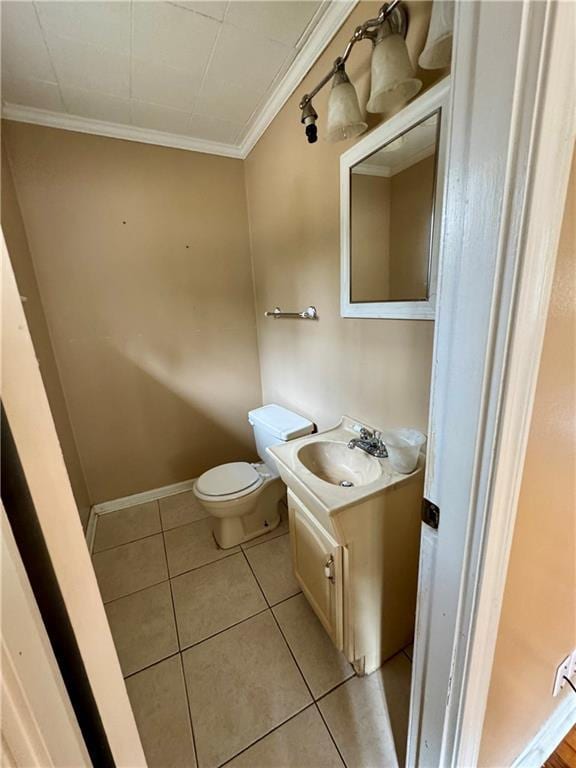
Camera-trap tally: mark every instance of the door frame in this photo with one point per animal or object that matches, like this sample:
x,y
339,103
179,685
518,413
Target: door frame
x,y
503,209
38,725
28,413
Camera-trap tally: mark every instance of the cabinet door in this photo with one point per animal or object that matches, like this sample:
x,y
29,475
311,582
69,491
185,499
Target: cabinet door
x,y
317,560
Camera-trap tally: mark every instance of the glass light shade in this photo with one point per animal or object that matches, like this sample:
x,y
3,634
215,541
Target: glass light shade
x,y
438,49
345,118
393,81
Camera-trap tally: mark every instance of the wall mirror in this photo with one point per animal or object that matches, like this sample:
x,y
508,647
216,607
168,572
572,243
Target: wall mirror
x,y
391,202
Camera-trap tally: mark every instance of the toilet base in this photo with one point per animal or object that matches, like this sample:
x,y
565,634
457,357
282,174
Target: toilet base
x,y
230,531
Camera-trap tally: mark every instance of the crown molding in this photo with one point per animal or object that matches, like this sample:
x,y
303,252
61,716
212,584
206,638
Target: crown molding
x,y
332,19
116,130
367,169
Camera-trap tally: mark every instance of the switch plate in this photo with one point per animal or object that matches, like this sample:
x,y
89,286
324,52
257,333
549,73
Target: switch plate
x,y
566,668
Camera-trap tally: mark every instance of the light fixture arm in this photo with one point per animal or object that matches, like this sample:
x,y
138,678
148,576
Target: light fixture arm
x,y
393,12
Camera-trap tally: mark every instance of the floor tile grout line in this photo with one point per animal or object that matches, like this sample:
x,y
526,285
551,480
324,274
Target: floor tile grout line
x,y
221,631
190,718
124,543
248,545
179,649
307,685
330,732
256,579
299,669
197,567
335,688
135,592
149,666
181,525
190,570
265,735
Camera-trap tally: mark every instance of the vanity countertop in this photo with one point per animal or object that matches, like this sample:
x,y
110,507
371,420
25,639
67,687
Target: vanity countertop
x,y
331,497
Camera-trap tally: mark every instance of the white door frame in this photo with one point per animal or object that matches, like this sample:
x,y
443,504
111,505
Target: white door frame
x,y
511,142
38,724
28,412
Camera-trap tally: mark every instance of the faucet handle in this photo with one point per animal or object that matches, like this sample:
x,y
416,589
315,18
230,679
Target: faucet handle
x,y
365,434
377,435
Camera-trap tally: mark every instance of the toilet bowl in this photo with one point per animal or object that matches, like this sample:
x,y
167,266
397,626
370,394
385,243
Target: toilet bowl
x,y
242,498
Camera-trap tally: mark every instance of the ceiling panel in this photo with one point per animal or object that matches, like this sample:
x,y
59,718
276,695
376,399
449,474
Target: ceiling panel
x,y
245,59
36,93
283,20
86,66
104,24
227,101
159,84
96,106
171,35
212,129
24,52
194,69
160,118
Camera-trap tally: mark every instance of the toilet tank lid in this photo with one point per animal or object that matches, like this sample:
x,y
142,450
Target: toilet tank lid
x,y
281,422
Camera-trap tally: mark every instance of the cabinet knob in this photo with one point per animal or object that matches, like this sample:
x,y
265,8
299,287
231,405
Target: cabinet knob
x,y
329,569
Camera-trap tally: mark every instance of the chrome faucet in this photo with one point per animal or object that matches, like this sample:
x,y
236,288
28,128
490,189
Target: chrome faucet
x,y
371,442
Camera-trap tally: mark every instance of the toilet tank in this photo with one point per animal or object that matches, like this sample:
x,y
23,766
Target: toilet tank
x,y
272,425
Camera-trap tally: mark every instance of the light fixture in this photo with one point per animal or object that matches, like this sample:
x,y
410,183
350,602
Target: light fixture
x,y
438,49
393,80
345,119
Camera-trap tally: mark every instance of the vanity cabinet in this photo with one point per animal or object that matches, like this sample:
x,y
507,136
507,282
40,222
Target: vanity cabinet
x,y
358,570
317,563
355,536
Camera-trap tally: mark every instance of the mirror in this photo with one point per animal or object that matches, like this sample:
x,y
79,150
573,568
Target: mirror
x,y
391,214
391,192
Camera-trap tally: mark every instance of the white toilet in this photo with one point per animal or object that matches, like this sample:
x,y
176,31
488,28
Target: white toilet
x,y
243,498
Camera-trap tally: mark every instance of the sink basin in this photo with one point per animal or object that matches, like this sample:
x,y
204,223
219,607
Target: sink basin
x,y
337,464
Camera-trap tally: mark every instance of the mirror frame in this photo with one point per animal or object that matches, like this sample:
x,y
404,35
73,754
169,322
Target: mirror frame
x,y
436,98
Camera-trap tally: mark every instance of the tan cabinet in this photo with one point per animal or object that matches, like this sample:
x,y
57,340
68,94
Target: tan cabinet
x,y
358,569
317,560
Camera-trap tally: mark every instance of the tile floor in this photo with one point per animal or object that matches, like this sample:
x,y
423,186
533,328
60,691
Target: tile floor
x,y
225,662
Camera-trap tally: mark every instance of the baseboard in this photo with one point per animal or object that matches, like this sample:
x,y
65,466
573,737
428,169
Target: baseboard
x,y
130,501
550,735
91,530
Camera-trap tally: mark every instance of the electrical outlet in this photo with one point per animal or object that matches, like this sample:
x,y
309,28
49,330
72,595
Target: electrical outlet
x,y
566,668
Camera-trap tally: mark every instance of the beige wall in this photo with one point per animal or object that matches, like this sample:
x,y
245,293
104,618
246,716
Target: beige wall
x,y
411,204
17,243
369,237
376,370
538,621
142,260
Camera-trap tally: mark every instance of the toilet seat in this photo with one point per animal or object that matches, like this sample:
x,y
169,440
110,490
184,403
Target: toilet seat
x,y
229,481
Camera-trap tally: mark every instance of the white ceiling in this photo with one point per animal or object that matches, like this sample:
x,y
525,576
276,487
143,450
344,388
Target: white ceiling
x,y
203,71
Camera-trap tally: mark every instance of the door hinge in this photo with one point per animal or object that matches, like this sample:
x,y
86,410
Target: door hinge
x,y
430,514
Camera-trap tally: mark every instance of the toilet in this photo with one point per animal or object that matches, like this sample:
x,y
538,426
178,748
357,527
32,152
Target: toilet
x,y
242,498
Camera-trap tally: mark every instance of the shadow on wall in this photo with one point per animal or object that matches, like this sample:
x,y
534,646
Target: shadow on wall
x,y
178,423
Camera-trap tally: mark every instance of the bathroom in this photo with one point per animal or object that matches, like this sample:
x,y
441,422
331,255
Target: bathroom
x,y
163,208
